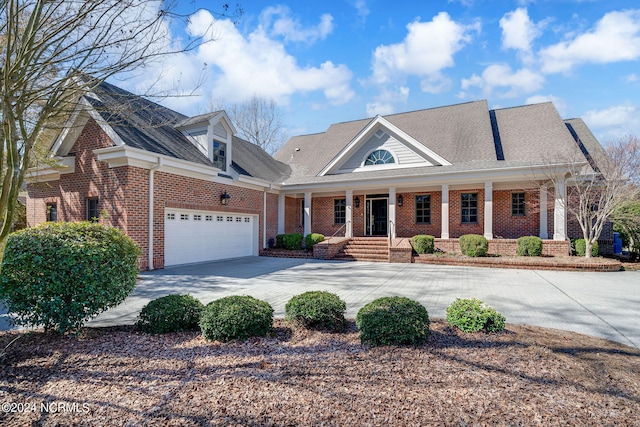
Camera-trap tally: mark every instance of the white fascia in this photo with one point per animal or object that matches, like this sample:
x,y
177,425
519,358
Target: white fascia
x,y
63,165
368,130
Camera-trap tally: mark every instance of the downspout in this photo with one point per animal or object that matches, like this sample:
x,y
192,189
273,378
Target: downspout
x,y
264,217
151,191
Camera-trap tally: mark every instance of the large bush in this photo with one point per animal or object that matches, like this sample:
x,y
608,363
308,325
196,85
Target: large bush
x,y
581,247
59,275
474,245
236,318
529,246
312,239
293,241
317,309
472,315
393,321
171,313
423,244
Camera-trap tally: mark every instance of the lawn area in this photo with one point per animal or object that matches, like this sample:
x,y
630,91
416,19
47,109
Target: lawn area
x,y
119,376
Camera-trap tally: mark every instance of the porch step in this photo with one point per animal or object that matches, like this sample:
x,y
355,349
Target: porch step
x,y
373,249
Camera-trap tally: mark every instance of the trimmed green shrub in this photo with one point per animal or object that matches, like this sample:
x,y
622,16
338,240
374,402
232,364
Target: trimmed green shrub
x,y
293,241
317,309
236,318
423,244
474,245
393,321
581,248
529,246
59,275
472,315
280,240
171,313
312,239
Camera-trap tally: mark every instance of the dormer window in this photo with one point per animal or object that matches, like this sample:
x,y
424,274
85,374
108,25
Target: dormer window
x,y
220,155
379,157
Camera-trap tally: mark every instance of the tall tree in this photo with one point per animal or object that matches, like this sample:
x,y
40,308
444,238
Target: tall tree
x,y
52,52
595,191
260,121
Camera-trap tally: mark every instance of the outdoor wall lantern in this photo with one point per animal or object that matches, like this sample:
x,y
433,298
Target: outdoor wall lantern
x,y
357,201
224,198
400,200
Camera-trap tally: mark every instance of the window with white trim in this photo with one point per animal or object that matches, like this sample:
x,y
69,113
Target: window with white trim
x,y
379,157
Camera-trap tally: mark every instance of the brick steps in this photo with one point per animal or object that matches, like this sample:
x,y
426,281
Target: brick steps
x,y
372,249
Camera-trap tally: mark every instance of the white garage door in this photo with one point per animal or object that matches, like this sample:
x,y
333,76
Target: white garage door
x,y
198,236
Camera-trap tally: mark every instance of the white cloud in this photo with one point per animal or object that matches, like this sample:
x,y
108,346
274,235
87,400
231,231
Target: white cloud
x,y
631,78
616,37
559,103
385,102
518,31
502,76
258,64
614,122
277,21
428,48
362,10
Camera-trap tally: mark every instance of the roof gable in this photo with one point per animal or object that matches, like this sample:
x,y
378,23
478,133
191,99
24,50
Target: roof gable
x,y
380,134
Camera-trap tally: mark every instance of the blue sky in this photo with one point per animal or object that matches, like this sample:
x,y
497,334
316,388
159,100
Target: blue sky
x,y
337,60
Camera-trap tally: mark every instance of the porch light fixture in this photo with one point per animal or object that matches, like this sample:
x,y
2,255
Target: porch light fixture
x,y
400,200
357,201
224,198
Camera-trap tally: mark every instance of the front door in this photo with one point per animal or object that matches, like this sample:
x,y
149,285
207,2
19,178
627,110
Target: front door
x,y
376,217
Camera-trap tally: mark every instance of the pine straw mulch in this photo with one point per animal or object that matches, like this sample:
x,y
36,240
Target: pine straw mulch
x,y
118,376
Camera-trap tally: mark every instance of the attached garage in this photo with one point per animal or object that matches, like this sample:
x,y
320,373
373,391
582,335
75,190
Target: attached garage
x,y
198,236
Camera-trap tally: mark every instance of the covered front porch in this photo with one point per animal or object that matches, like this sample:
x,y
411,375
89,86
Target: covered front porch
x,y
494,209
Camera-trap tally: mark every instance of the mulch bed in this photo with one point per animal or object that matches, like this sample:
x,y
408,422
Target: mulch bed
x,y
118,376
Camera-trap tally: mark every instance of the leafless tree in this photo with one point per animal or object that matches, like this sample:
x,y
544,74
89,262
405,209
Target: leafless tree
x,y
55,51
600,183
259,121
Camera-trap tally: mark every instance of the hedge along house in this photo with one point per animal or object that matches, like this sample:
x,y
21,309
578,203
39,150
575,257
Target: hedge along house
x,y
187,190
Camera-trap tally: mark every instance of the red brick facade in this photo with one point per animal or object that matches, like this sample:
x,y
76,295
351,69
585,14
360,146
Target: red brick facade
x,y
123,196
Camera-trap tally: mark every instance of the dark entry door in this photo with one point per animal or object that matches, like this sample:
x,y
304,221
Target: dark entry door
x,y
377,217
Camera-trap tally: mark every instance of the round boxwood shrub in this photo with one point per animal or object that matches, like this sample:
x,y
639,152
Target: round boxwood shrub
x,y
472,315
423,244
393,321
312,239
236,318
581,248
474,245
317,309
59,275
529,246
171,313
293,241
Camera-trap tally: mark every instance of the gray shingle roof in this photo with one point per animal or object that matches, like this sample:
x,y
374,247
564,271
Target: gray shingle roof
x,y
146,125
462,134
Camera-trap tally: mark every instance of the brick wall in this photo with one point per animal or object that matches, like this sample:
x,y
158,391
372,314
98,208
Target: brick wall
x,y
123,194
456,227
508,226
406,225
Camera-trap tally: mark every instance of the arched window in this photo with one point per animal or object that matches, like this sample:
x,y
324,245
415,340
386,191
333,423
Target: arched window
x,y
379,157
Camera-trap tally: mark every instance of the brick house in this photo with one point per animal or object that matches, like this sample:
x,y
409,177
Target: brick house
x,y
188,190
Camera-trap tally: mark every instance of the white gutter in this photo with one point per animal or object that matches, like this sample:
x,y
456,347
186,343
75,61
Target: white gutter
x,y
150,245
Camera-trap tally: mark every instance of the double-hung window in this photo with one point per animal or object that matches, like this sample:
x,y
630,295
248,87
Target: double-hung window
x,y
339,211
423,209
93,214
469,208
517,204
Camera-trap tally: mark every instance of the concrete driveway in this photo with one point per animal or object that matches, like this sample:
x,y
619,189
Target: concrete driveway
x,y
606,305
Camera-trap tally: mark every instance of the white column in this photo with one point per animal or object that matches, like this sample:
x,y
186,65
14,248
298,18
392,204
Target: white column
x,y
348,232
307,213
559,210
488,210
392,213
544,224
280,213
444,233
